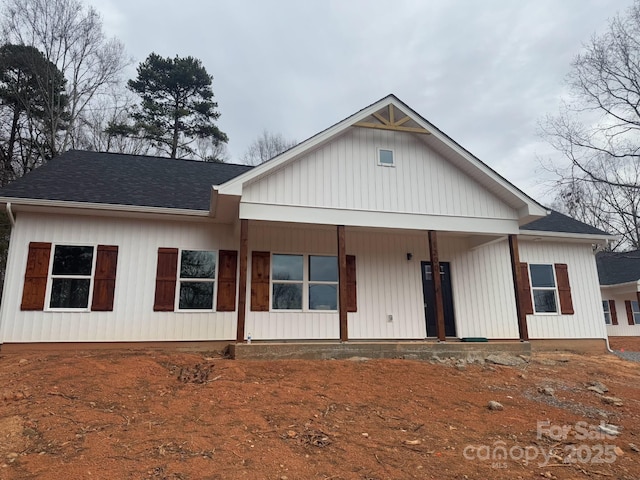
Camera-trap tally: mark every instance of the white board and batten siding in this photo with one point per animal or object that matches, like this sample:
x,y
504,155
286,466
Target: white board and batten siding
x,y
344,174
282,324
389,284
483,290
132,318
587,321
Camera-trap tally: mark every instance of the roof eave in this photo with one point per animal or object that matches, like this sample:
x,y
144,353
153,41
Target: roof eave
x,y
16,202
588,237
623,284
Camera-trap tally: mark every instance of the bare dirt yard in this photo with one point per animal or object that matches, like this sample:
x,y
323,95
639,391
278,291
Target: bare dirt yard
x,y
166,415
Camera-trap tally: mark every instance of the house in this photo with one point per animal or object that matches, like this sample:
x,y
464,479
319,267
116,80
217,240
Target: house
x,y
619,274
335,239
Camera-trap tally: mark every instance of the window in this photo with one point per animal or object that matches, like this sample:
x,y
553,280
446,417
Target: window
x,y
607,312
385,157
635,309
76,275
71,274
304,282
186,280
543,287
323,283
287,281
197,279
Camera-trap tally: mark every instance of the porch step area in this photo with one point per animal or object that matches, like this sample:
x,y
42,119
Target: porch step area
x,y
407,350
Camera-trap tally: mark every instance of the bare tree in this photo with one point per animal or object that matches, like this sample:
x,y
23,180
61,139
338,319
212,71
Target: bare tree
x,y
70,36
601,121
597,131
209,149
604,205
99,125
266,146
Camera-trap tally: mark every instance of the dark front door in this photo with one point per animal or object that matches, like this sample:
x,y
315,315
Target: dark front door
x,y
429,300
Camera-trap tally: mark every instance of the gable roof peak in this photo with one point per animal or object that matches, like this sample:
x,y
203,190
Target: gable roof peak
x,y
412,123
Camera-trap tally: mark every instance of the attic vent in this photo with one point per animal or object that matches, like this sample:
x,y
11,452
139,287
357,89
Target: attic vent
x,y
385,157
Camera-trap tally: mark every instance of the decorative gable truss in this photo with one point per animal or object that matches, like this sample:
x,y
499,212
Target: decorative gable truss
x,y
391,118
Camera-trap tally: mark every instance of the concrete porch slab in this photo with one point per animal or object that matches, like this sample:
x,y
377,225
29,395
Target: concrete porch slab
x,y
406,350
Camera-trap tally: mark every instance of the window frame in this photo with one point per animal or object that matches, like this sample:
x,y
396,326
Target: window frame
x,y
554,288
51,277
635,313
321,282
393,157
306,283
606,308
179,280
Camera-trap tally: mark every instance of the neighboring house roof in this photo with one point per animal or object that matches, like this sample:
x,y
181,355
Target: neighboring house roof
x,y
558,222
118,179
618,267
527,207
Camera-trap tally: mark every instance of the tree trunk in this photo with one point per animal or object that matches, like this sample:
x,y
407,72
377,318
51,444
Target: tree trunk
x,y
176,132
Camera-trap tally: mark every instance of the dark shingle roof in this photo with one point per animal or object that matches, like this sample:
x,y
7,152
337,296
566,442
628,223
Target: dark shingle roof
x,y
111,178
618,267
558,222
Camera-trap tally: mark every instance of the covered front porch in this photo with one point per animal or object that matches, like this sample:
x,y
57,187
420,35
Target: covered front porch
x,y
384,287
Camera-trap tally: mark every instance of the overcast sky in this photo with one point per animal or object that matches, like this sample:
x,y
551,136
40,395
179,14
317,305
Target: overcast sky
x,y
484,72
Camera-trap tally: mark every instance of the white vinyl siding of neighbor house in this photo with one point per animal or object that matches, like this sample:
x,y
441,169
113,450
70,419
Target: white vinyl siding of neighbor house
x,y
623,329
587,320
344,174
132,318
389,284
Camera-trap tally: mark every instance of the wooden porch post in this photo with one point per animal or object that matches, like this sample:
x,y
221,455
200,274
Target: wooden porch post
x,y
517,282
437,285
342,284
242,287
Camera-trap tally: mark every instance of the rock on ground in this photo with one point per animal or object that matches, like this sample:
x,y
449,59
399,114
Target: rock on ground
x,y
506,360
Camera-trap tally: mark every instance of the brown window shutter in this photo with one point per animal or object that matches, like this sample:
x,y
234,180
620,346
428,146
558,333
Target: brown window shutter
x,y
166,280
627,303
564,289
352,291
35,276
612,310
525,290
260,274
104,283
227,271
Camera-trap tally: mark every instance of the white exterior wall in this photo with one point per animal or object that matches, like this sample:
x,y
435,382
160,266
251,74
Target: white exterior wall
x,y
587,321
132,318
483,290
389,284
623,329
290,325
344,174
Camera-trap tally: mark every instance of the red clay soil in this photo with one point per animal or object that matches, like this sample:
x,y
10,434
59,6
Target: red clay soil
x,y
629,344
158,415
